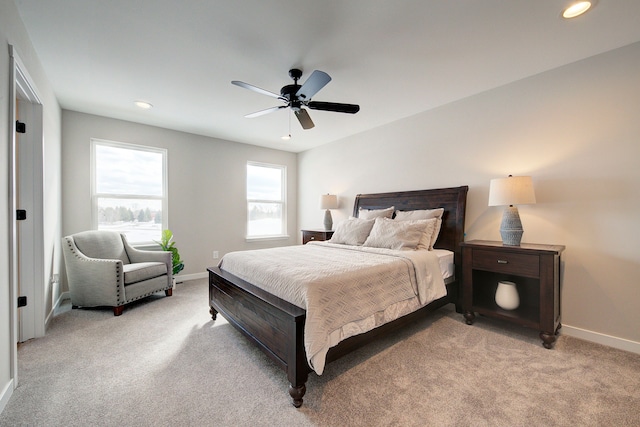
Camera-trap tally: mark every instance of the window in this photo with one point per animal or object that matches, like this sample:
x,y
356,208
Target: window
x,y
266,200
129,189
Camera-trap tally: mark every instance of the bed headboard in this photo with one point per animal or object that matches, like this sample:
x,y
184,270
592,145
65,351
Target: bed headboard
x,y
453,200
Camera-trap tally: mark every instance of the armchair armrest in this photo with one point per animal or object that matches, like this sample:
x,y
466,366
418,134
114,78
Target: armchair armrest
x,y
138,255
93,281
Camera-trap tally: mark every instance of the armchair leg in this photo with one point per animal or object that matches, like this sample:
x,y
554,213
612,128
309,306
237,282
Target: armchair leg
x,y
117,311
168,292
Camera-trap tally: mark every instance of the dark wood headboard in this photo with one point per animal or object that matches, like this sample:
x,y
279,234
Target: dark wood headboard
x,y
453,200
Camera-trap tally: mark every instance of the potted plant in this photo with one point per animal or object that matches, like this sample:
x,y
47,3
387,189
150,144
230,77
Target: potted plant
x,y
167,244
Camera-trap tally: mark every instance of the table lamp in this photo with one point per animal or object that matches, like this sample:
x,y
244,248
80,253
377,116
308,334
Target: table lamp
x,y
328,201
510,191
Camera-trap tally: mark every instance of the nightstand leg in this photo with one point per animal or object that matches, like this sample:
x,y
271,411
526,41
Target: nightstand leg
x,y
547,339
469,317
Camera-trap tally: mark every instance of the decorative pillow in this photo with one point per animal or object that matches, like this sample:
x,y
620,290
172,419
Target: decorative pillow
x,y
352,231
424,214
390,234
375,213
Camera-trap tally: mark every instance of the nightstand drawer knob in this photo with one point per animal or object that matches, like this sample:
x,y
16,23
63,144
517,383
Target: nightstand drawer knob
x,y
312,238
502,261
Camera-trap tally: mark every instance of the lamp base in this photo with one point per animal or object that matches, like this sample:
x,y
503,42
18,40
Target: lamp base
x,y
511,227
328,221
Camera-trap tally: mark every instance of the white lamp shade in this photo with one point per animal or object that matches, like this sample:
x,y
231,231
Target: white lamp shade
x,y
328,201
514,190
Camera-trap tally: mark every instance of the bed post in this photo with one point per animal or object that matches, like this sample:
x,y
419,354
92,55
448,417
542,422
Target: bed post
x,y
297,367
461,206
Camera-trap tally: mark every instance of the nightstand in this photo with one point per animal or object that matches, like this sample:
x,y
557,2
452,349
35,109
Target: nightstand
x,y
317,235
535,269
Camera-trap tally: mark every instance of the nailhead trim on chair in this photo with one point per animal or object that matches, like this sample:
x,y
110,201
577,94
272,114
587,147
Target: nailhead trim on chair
x,y
118,286
146,295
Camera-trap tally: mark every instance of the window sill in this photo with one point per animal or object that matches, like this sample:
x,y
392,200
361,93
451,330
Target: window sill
x,y
146,246
265,238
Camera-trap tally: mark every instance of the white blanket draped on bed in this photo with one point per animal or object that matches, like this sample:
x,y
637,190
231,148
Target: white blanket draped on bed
x,y
340,286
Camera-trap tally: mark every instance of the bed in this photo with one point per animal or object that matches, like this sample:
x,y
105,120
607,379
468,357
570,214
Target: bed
x,y
277,326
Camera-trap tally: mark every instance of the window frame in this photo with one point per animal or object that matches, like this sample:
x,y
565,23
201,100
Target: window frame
x,y
282,202
95,196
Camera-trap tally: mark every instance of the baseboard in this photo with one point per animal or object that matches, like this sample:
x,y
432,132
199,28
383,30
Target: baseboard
x,y
6,395
63,296
184,277
598,338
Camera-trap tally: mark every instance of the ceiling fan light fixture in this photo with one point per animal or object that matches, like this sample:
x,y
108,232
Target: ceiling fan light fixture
x,y
143,104
576,9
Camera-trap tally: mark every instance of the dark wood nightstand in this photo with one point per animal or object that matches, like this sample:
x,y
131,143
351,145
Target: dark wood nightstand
x,y
317,235
535,269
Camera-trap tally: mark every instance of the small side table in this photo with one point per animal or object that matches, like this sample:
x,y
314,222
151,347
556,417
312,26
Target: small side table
x,y
534,268
316,235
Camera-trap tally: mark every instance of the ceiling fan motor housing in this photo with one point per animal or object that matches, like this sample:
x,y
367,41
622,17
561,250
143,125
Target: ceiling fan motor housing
x,y
289,92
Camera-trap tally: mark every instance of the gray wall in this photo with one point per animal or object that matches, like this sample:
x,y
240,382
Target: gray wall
x,y
575,130
207,185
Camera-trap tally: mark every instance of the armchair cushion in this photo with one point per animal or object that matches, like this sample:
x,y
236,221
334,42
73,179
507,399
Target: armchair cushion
x,y
140,271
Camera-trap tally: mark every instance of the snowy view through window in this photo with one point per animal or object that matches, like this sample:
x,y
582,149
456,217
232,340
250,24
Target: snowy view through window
x,y
265,200
129,190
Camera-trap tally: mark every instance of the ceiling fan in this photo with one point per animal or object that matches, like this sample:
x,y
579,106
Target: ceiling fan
x,y
295,97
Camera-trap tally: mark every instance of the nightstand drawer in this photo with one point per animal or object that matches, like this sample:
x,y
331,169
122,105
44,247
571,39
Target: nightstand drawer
x,y
508,263
316,235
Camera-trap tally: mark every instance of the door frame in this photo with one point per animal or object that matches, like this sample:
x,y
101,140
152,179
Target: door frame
x,y
26,250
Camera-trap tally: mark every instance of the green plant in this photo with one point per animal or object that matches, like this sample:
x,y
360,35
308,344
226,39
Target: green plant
x,y
167,244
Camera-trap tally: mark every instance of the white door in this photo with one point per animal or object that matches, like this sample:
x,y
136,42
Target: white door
x,y
28,185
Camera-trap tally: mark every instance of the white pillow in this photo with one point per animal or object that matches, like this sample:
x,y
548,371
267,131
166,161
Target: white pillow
x,y
419,214
424,214
353,231
375,213
390,234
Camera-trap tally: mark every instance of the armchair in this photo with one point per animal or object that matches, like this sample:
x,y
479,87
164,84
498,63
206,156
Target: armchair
x,y
104,270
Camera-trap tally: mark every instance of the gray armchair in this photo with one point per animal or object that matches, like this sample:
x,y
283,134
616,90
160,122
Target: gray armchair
x,y
104,270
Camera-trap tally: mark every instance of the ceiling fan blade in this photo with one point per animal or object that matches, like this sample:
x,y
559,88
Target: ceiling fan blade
x,y
304,119
257,89
263,112
334,106
316,81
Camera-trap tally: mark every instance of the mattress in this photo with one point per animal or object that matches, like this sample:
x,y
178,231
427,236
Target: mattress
x,y
445,260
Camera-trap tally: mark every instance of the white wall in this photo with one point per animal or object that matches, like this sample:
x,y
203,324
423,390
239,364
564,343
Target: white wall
x,y
207,185
12,32
575,129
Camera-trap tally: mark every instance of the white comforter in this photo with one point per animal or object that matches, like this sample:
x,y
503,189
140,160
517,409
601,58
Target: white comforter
x,y
341,286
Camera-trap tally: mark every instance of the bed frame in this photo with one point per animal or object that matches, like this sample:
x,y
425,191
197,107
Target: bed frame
x,y
277,326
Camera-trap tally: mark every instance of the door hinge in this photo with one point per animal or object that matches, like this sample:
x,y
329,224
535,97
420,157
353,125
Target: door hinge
x,y
21,214
22,301
21,127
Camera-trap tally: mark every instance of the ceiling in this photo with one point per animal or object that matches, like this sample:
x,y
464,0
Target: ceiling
x,y
393,58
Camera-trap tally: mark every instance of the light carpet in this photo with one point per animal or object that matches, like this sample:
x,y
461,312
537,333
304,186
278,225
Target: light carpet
x,y
164,362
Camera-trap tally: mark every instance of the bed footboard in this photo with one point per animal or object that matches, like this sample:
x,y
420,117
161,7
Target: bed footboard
x,y
274,325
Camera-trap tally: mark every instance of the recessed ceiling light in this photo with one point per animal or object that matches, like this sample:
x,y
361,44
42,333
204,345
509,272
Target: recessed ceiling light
x,y
576,9
143,104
